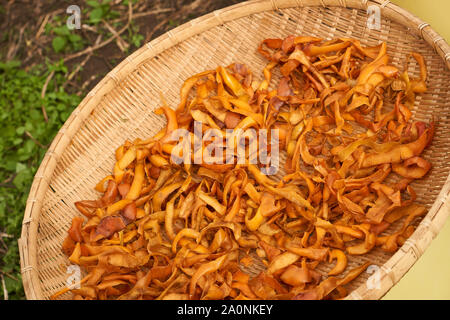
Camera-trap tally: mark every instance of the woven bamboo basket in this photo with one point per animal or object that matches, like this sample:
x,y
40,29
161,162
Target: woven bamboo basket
x,y
120,107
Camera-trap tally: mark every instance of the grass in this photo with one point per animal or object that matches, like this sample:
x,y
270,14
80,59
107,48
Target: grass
x,y
23,143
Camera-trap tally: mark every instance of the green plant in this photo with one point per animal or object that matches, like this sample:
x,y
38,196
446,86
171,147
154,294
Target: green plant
x,y
136,40
23,143
174,23
134,37
64,40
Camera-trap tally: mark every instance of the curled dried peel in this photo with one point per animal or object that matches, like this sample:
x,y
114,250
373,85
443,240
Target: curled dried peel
x,y
163,230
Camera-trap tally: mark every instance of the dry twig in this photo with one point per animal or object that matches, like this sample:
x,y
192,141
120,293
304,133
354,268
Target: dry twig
x,y
9,275
5,291
122,44
35,140
42,27
44,89
14,47
5,235
145,14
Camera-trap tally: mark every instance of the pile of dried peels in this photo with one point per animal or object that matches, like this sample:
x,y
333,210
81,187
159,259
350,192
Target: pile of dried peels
x,y
191,230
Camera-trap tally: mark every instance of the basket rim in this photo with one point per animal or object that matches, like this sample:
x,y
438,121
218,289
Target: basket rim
x,y
392,270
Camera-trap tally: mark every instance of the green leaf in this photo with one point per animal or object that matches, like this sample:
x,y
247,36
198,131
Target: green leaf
x,y
23,178
137,40
75,38
62,31
28,126
93,3
174,23
59,43
20,130
20,167
17,141
9,65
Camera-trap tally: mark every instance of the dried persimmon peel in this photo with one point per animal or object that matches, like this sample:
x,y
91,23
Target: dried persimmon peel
x,y
224,229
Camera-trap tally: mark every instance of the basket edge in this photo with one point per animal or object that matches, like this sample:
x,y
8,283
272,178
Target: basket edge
x,y
27,248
